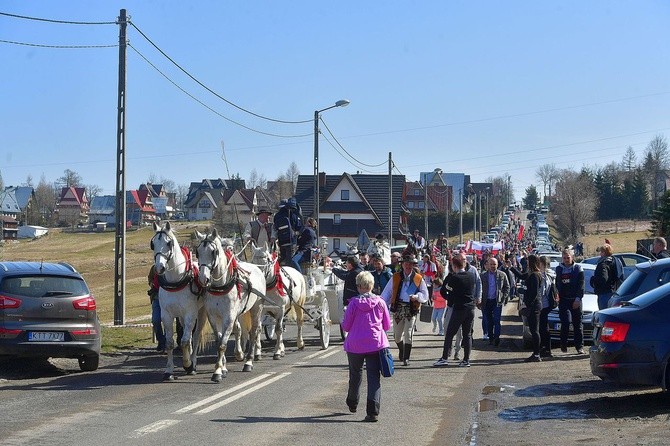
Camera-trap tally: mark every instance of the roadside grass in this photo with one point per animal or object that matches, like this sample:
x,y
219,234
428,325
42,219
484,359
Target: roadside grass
x,y
92,254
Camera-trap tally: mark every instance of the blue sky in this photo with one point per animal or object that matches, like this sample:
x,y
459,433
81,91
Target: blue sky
x,y
486,88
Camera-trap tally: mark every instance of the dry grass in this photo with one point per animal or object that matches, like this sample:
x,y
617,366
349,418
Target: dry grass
x,y
92,254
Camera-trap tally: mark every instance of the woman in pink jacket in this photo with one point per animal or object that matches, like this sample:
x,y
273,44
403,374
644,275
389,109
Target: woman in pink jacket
x,y
366,320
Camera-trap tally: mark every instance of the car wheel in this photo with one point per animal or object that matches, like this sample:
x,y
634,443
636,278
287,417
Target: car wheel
x,y
89,363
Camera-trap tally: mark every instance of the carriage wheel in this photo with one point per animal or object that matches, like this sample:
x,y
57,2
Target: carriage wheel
x,y
269,328
324,325
269,331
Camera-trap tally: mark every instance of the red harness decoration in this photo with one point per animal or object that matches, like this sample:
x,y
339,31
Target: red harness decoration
x,y
232,271
190,276
279,281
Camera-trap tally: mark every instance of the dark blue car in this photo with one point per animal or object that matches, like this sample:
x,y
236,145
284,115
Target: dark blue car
x,y
632,342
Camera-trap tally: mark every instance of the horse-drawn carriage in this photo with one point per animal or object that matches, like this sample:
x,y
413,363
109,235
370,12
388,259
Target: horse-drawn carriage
x,y
322,303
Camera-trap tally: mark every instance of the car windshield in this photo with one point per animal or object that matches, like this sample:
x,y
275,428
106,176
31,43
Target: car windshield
x,y
43,286
632,283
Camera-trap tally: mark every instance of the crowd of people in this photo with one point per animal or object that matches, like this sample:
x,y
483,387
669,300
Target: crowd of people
x,y
379,297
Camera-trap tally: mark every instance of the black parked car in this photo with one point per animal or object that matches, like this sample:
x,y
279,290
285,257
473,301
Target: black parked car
x,y
632,342
47,310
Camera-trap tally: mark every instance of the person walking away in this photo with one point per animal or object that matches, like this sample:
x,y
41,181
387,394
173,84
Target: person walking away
x,y
156,320
570,287
349,276
439,307
260,232
660,248
381,274
306,241
533,300
457,289
366,320
404,295
549,302
605,279
495,293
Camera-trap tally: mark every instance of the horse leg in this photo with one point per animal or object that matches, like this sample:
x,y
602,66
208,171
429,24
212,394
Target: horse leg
x,y
168,324
220,370
279,336
299,319
187,346
254,332
198,336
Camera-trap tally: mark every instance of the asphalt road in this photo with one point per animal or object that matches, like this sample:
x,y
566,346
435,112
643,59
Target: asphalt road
x,y
300,400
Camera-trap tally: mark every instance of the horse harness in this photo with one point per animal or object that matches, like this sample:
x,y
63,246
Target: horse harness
x,y
241,281
190,276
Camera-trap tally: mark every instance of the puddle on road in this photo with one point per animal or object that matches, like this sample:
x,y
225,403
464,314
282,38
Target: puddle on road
x,y
487,404
567,411
496,389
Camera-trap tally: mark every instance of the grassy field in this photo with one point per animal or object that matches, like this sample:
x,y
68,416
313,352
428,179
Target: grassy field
x,y
92,254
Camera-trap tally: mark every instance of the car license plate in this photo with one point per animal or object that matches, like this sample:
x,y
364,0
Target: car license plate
x,y
46,336
557,326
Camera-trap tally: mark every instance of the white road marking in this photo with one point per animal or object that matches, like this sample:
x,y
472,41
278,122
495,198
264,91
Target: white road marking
x,y
330,354
153,427
243,393
222,394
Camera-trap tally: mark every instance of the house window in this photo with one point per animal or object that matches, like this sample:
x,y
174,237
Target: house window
x,y
337,219
344,194
336,244
420,204
204,204
417,192
410,204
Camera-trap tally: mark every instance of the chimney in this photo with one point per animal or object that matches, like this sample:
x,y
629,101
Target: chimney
x,y
322,179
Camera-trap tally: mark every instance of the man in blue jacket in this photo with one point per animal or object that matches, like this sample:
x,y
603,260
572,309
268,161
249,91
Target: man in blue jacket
x,y
570,286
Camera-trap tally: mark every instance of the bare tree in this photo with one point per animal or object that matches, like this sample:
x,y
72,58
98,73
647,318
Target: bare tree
x,y
92,191
45,203
29,181
256,180
70,178
548,174
2,183
629,161
574,203
656,160
292,173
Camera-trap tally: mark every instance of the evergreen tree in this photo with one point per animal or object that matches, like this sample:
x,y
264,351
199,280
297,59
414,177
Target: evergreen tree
x,y
660,224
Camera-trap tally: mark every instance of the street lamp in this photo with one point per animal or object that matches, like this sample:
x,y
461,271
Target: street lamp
x,y
340,103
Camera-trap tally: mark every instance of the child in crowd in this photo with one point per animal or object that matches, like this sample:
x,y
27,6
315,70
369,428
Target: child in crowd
x,y
439,305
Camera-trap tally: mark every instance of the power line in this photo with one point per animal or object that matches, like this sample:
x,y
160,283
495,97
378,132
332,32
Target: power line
x,y
344,157
38,45
66,22
207,106
345,150
209,89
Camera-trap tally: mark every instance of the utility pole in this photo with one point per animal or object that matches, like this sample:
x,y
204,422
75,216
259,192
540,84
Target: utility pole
x,y
460,208
390,200
120,240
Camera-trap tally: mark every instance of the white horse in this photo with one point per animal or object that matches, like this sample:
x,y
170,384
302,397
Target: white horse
x,y
178,297
286,289
381,249
232,289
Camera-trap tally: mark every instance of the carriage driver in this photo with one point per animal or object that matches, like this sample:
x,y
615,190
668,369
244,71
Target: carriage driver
x,y
260,231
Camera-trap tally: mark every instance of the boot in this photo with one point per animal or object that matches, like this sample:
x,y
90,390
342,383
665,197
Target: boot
x,y
408,351
401,350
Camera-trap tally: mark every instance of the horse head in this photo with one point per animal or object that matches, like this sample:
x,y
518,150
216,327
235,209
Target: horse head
x,y
211,257
260,255
164,245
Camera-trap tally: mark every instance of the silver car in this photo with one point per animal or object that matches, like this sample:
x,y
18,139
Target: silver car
x,y
47,310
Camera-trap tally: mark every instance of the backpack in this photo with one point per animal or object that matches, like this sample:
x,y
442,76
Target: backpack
x,y
617,276
282,224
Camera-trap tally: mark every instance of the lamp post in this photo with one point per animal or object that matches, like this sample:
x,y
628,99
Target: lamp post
x,y
488,221
340,103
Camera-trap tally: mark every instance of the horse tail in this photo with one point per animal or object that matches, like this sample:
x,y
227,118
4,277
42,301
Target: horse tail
x,y
205,331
